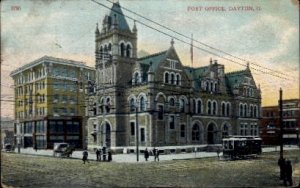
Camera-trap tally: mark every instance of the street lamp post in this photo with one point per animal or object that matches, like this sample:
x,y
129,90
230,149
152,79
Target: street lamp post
x,y
281,121
137,132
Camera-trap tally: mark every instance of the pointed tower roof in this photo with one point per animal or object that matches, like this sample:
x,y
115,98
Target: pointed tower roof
x,y
116,12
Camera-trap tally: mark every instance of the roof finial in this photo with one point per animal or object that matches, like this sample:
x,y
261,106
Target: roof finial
x,y
210,61
134,27
97,29
248,67
172,42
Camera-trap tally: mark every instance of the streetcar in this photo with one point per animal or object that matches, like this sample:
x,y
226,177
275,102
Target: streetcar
x,y
238,147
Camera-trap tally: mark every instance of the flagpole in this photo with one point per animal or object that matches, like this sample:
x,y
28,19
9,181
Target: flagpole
x,y
192,51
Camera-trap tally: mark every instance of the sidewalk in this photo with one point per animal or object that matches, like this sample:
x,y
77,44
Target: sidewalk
x,y
132,158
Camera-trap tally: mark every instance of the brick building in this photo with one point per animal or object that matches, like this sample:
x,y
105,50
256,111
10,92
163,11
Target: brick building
x,y
270,123
50,102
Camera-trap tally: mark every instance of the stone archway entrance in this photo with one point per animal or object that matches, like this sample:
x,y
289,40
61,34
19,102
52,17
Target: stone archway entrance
x,y
211,134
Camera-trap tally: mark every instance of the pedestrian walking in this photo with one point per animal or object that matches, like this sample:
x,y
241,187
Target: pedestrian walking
x,y
281,164
109,156
146,154
104,153
156,154
98,154
218,152
85,156
288,171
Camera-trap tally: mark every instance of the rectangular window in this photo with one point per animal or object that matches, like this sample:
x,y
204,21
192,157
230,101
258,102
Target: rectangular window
x,y
172,122
160,112
142,134
132,128
73,127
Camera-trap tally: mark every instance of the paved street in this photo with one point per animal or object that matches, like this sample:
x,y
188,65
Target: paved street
x,y
131,158
21,170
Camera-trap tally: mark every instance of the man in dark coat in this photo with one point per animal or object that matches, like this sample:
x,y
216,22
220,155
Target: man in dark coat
x,y
98,154
281,164
85,156
288,171
109,156
146,154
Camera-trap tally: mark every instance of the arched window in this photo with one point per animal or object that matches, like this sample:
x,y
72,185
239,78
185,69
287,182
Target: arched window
x,y
255,111
223,109
142,104
195,133
209,107
215,89
182,105
172,102
199,107
122,49
166,77
128,51
211,86
214,108
105,49
132,105
182,131
109,47
101,50
178,79
101,105
172,78
241,110
194,106
251,111
245,110
107,106
228,109
136,78
206,86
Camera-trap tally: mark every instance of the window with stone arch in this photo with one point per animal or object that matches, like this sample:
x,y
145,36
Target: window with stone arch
x,y
142,104
178,79
172,78
128,50
215,108
194,106
166,77
132,104
136,78
209,107
182,105
172,102
255,111
101,50
182,130
245,110
228,109
108,105
195,132
122,49
109,47
241,110
223,109
105,49
199,106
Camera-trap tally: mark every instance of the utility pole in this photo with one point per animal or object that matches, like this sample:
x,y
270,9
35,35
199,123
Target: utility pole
x,y
137,132
280,121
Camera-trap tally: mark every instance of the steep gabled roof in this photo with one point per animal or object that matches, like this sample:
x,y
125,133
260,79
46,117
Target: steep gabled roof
x,y
121,21
235,78
153,59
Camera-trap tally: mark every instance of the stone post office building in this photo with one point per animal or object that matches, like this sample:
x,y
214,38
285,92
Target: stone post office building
x,y
174,105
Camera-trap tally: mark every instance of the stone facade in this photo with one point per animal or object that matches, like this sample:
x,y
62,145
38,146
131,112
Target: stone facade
x,y
174,105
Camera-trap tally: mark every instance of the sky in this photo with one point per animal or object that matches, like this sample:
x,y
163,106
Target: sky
x,y
264,33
